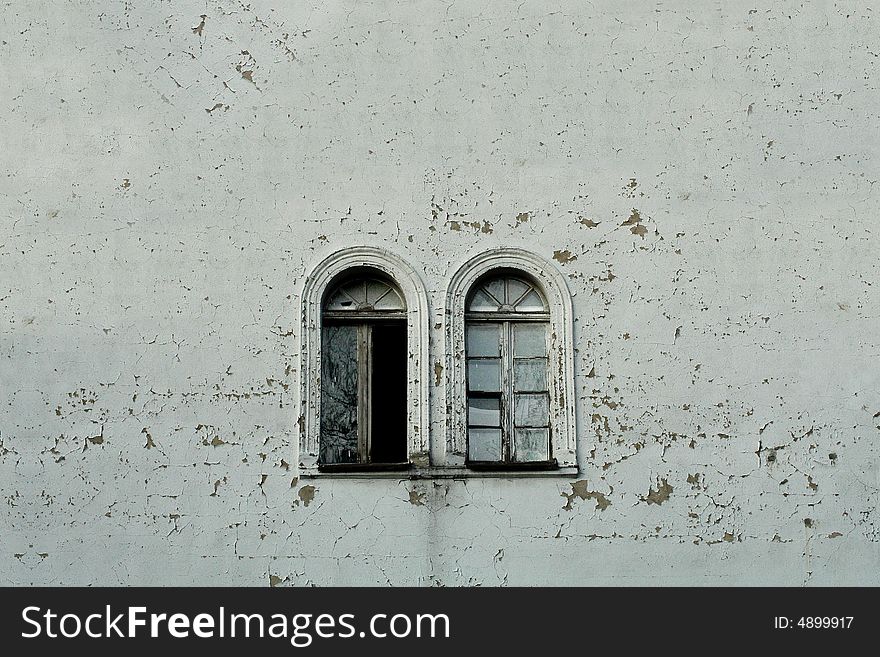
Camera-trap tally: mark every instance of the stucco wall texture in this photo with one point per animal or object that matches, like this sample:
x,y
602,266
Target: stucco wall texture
x,y
701,173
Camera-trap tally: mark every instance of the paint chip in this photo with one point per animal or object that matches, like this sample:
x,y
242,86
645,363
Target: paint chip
x,y
660,495
306,494
579,491
201,26
564,256
633,219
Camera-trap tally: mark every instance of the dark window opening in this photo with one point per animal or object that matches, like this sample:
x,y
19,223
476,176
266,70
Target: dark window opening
x,y
388,399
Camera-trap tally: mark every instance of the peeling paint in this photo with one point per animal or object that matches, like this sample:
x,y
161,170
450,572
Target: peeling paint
x,y
659,496
201,26
579,491
306,494
564,256
711,218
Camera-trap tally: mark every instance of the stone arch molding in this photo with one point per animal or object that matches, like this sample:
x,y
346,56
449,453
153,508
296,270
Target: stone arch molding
x,y
312,294
561,354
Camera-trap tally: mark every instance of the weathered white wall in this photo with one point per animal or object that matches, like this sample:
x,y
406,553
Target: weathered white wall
x,y
702,173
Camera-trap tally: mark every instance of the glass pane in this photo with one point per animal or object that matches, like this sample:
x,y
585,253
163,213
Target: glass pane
x,y
484,412
484,444
375,289
529,340
357,290
532,410
482,303
339,395
515,290
363,294
533,302
495,288
531,445
483,340
345,298
484,375
530,375
384,297
390,301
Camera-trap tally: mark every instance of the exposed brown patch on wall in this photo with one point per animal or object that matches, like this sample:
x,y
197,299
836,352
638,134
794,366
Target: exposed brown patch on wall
x,y
660,495
215,440
477,226
635,223
217,485
579,491
634,218
306,494
438,373
247,66
629,189
201,26
564,256
416,498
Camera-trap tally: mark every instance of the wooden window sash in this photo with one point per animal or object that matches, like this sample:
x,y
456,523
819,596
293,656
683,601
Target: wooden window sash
x,y
507,394
364,361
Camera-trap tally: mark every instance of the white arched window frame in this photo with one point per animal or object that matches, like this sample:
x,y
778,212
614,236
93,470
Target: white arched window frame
x,y
312,295
560,350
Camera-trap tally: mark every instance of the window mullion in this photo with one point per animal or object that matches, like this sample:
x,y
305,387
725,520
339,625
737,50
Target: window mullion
x,y
364,357
506,392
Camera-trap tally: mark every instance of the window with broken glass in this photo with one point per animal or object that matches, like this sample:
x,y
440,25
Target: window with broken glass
x,y
506,325
363,376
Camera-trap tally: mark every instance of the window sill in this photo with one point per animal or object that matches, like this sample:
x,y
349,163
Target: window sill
x,y
441,472
366,468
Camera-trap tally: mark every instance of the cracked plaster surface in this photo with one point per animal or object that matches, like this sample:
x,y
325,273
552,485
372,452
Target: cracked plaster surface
x,y
702,176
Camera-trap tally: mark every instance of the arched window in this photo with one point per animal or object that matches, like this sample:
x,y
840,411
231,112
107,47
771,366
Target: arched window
x,y
363,372
506,346
363,350
510,365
